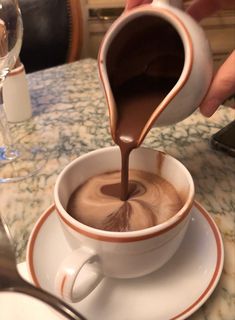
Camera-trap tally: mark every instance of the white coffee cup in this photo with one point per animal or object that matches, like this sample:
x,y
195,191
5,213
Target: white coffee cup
x,y
97,253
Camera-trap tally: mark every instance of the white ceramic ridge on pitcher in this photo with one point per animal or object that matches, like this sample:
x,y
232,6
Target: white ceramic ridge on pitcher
x,y
99,253
196,75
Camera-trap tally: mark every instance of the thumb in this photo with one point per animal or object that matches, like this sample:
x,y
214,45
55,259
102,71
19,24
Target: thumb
x,y
222,87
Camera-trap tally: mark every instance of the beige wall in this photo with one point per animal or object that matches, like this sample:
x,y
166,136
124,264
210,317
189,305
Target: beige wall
x,y
219,28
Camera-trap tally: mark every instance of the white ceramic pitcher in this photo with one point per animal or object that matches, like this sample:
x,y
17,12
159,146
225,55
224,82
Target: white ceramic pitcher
x,y
194,77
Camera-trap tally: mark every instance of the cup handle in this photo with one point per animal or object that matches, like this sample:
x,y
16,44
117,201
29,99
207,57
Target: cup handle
x,y
78,275
173,3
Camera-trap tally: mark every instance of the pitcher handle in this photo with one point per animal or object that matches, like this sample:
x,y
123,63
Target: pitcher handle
x,y
70,272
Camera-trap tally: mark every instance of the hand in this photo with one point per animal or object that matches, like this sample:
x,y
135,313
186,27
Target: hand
x,y
200,9
135,3
223,84
222,87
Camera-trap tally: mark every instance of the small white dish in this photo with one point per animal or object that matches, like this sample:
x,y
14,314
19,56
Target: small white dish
x,y
16,306
174,292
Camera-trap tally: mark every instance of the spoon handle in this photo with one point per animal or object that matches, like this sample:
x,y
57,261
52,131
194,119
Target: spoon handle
x,y
56,303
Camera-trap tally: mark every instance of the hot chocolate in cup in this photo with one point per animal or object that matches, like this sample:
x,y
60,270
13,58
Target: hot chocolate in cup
x,y
99,251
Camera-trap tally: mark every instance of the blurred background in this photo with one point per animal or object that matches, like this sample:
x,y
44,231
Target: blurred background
x,y
60,31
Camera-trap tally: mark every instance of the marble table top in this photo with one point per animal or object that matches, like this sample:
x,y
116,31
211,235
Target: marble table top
x,y
70,117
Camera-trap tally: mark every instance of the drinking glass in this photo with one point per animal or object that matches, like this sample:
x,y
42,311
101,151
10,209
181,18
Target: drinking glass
x,y
16,161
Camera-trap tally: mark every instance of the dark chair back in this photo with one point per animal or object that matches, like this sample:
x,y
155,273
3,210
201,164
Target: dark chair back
x,y
52,33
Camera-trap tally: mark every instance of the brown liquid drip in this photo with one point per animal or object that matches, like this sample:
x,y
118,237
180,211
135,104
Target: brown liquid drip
x,y
125,149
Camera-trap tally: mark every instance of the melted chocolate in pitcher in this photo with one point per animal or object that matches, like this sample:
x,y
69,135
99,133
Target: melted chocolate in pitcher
x,y
144,62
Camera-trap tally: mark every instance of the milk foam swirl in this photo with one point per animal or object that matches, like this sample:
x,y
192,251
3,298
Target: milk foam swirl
x,y
152,200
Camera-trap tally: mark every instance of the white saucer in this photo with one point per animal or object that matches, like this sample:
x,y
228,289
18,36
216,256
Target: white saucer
x,y
173,292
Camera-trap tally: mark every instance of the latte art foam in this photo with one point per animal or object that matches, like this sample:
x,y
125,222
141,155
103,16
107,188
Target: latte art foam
x,y
152,200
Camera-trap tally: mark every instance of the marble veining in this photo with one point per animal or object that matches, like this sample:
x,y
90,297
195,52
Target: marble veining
x,y
70,117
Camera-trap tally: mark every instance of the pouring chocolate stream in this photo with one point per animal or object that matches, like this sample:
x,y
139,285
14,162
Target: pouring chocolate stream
x,y
142,69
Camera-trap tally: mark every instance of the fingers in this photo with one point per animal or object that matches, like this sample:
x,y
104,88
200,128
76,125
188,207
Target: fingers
x,y
222,87
134,3
200,9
